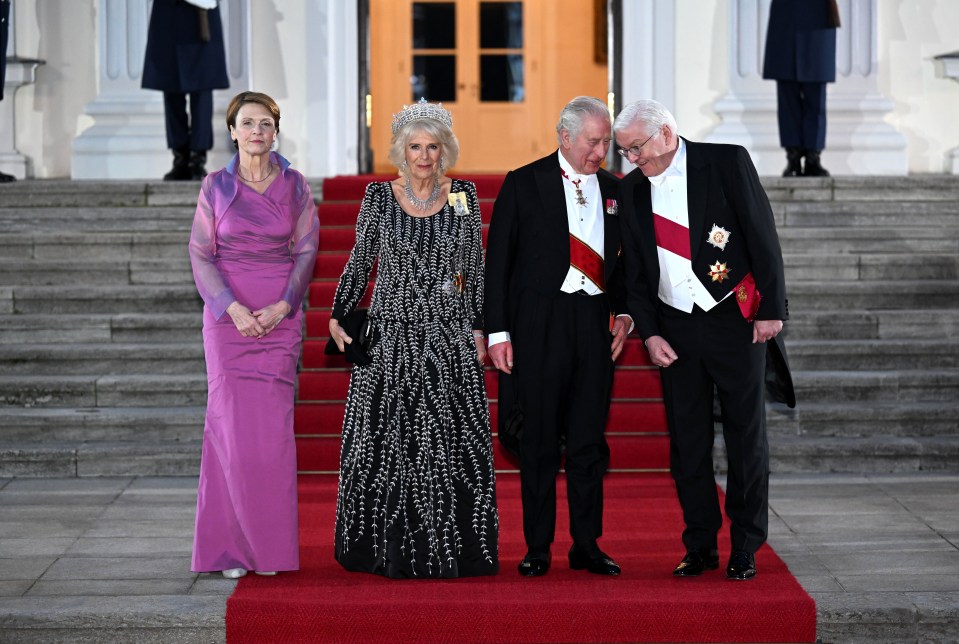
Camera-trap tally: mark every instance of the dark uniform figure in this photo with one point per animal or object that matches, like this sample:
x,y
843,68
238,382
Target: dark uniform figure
x,y
185,58
801,58
4,39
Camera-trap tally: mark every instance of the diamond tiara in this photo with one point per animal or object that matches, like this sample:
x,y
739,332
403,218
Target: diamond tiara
x,y
422,110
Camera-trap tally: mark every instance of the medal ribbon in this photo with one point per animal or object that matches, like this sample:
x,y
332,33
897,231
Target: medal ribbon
x,y
672,236
587,261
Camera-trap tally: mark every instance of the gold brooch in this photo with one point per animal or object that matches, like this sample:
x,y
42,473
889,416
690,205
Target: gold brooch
x,y
719,272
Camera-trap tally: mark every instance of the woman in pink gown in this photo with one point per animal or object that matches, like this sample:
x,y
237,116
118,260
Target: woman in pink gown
x,y
253,247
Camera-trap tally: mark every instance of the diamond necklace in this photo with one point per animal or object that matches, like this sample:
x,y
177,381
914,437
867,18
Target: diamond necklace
x,y
422,204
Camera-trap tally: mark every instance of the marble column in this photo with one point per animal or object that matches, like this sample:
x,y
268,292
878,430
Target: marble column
x,y
127,138
858,139
949,67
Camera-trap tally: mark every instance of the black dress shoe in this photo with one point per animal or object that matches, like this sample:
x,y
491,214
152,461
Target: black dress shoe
x,y
6,178
696,561
594,560
534,565
742,565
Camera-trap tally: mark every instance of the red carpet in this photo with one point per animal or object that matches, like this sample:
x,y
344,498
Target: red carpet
x,y
324,603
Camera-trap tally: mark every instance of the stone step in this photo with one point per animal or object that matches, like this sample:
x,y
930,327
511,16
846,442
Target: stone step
x,y
176,298
809,355
867,418
145,619
124,390
867,214
97,220
837,295
38,193
81,328
876,386
907,189
889,324
75,459
882,267
99,246
185,357
851,240
871,454
111,424
32,272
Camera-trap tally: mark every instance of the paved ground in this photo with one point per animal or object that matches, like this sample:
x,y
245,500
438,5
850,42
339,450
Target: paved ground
x,y
108,559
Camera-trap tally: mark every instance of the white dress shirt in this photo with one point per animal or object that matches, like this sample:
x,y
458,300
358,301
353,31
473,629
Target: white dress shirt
x,y
678,285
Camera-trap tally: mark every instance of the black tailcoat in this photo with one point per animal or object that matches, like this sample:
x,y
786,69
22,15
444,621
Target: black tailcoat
x,y
561,346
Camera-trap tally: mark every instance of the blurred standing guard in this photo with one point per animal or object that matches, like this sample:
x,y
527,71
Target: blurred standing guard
x,y
185,57
801,58
706,288
551,284
4,38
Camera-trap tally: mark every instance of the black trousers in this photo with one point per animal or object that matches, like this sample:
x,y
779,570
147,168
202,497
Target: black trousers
x,y
194,131
802,114
715,349
563,371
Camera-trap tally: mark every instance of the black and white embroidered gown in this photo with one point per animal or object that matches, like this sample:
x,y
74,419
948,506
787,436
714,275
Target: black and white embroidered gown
x,y
417,489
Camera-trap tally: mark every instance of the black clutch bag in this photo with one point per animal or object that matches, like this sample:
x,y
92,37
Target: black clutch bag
x,y
356,323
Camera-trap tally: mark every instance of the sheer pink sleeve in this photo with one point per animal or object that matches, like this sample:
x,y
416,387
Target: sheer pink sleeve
x,y
210,284
306,236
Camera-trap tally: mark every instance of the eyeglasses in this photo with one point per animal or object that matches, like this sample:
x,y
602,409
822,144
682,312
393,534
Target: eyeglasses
x,y
636,149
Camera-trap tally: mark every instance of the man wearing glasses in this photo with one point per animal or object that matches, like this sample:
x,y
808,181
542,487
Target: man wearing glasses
x,y
706,290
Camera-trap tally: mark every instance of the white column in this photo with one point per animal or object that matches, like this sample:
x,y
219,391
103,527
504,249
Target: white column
x,y
949,67
332,72
126,136
20,71
858,139
649,60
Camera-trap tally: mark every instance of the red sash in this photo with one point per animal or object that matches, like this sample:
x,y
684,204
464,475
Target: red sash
x,y
587,261
672,236
747,297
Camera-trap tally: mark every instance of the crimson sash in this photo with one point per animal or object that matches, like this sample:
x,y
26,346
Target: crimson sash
x,y
748,297
672,236
587,261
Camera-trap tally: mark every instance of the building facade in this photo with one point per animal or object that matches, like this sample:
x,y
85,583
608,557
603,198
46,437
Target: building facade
x,y
339,69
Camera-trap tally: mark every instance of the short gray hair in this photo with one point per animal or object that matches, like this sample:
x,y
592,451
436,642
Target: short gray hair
x,y
449,145
652,114
572,117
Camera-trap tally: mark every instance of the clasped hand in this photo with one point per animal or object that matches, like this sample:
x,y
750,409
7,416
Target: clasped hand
x,y
259,323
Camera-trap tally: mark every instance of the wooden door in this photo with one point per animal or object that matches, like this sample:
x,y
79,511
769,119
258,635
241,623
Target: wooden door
x,y
503,69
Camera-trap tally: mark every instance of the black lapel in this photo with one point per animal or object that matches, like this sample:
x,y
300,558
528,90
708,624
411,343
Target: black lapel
x,y
611,237
697,184
549,183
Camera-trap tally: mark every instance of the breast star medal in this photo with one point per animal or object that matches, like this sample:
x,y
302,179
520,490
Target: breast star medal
x,y
718,237
719,272
458,201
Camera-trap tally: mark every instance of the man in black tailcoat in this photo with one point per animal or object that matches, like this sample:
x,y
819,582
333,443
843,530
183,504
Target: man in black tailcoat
x,y
552,286
184,59
706,289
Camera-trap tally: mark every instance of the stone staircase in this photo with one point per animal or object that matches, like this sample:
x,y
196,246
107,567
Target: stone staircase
x,y
101,360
